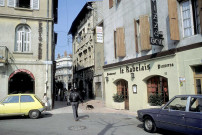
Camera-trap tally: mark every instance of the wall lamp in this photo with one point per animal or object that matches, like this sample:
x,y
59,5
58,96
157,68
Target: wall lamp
x,y
107,79
132,75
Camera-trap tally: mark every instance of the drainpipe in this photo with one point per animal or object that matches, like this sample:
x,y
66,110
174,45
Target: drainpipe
x,y
47,43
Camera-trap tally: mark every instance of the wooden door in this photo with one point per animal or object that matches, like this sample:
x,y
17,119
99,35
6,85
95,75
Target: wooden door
x,y
122,88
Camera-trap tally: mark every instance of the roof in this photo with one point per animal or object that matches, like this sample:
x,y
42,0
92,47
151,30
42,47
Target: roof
x,y
189,95
79,18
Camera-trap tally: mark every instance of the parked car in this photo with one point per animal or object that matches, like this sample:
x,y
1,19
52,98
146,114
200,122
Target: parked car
x,y
183,113
21,104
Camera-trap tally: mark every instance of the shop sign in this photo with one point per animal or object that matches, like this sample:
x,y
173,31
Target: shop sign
x,y
99,34
129,69
165,65
108,74
157,35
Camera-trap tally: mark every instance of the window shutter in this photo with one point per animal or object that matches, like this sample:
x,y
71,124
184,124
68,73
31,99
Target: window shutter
x,y
120,41
19,41
35,4
11,3
136,38
200,12
110,3
145,33
173,20
2,2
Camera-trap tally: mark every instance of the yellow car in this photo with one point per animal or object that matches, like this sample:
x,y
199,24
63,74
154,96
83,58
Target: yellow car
x,y
21,104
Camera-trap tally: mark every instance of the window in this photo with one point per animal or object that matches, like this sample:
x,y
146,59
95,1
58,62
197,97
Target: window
x,y
30,4
196,105
26,98
11,99
178,103
23,3
190,17
157,88
23,37
2,2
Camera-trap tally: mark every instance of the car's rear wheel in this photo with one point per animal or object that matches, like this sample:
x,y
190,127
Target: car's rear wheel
x,y
149,124
34,114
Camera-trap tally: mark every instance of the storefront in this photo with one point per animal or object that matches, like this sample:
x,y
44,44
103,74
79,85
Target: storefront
x,y
152,81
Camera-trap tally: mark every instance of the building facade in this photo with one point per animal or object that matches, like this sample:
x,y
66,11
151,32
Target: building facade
x,y
27,46
64,71
152,51
87,63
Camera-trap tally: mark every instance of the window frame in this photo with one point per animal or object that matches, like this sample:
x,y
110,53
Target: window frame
x,y
195,25
2,3
191,17
24,39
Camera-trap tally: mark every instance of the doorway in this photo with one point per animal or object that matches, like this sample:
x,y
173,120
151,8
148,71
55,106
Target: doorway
x,y
122,89
198,79
21,82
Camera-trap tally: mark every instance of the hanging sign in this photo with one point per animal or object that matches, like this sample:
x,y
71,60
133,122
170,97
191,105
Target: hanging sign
x,y
157,36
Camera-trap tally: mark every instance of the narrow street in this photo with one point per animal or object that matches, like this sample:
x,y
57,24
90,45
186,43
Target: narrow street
x,y
59,121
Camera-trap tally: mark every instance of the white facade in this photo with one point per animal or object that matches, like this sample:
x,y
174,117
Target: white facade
x,y
64,71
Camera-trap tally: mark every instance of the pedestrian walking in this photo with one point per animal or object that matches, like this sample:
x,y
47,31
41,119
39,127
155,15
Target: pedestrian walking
x,y
74,98
68,94
45,101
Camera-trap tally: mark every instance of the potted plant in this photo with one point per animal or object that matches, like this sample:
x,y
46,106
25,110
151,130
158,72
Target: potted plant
x,y
155,100
118,101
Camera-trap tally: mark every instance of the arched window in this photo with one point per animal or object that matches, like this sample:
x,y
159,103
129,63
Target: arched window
x,y
23,39
157,89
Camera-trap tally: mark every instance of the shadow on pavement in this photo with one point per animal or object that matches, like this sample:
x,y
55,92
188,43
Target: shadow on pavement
x,y
162,131
84,117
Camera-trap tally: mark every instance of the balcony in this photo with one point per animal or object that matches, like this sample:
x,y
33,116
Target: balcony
x,y
3,55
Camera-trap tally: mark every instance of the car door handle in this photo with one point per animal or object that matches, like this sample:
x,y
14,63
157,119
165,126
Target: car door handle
x,y
182,115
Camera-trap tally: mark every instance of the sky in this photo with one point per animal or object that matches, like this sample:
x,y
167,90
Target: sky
x,y
67,12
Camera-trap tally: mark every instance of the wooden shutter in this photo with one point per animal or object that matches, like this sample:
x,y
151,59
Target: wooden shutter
x,y
200,12
145,33
2,2
173,20
11,3
136,38
35,4
110,3
120,41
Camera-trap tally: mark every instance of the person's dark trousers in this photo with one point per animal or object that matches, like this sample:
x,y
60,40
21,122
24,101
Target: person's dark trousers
x,y
75,106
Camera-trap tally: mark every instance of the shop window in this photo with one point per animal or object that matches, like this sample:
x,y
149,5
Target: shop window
x,y
190,17
157,88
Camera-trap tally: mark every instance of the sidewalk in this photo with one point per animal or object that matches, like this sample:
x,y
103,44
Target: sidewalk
x,y
99,107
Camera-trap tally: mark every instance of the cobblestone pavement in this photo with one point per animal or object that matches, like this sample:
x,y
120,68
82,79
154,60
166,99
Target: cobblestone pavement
x,y
99,107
